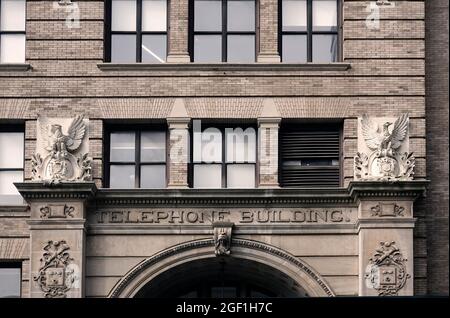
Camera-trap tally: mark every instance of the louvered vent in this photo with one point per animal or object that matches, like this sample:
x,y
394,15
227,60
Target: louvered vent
x,y
310,157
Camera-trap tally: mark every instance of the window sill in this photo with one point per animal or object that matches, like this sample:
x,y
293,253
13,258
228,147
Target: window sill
x,y
13,207
257,67
14,67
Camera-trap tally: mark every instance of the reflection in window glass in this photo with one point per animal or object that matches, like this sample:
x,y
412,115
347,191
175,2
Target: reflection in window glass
x,y
208,15
123,48
241,176
241,16
122,176
12,48
324,15
294,15
123,15
208,48
241,48
11,166
294,49
8,191
324,48
122,146
154,48
12,16
10,280
154,15
208,176
153,146
153,176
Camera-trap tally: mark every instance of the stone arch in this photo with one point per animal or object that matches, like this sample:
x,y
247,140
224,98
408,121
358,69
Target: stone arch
x,y
303,274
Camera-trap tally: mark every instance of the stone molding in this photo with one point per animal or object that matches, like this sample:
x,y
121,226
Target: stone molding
x,y
64,190
15,67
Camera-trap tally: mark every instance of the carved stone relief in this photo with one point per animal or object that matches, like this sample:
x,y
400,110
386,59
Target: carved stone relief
x,y
62,151
386,272
56,211
383,152
56,276
387,209
222,238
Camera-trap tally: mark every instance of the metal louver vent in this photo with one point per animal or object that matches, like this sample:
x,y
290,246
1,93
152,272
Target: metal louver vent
x,y
310,157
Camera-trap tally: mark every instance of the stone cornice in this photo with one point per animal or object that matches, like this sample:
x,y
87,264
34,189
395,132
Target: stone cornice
x,y
65,190
382,189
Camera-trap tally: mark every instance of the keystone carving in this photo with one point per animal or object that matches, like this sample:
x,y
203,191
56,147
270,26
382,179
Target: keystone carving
x,y
387,209
384,158
386,272
222,238
56,276
61,157
56,211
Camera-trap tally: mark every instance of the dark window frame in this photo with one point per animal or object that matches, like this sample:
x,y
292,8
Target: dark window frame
x,y
137,129
223,163
315,126
14,264
22,32
309,31
224,33
138,32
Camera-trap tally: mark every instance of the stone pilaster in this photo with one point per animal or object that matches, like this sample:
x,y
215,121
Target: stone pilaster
x,y
385,230
57,237
178,122
178,32
268,32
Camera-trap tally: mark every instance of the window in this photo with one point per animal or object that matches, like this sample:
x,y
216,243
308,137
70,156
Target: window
x,y
310,156
137,31
12,31
10,279
308,31
137,159
11,164
223,31
224,157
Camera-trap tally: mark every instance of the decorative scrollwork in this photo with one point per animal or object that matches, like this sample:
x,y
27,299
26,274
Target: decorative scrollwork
x,y
386,272
387,209
55,277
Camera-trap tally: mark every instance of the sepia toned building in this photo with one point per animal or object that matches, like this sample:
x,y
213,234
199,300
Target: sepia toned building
x,y
223,148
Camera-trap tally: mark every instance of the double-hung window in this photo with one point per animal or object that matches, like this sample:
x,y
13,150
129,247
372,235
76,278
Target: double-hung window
x,y
12,31
308,31
137,31
137,159
11,163
224,157
223,31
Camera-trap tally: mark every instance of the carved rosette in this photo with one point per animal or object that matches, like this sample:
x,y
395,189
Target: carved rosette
x,y
56,276
62,154
383,150
386,272
222,238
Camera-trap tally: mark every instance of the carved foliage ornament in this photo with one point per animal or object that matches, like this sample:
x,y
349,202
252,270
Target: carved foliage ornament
x,y
384,161
386,272
56,276
222,238
61,159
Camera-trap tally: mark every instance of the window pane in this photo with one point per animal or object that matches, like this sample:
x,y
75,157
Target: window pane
x,y
154,48
294,49
11,150
208,15
122,146
207,48
241,176
123,48
324,15
208,146
153,146
324,48
208,176
153,176
12,48
121,176
294,15
241,48
154,15
8,192
123,16
10,282
240,145
241,16
12,15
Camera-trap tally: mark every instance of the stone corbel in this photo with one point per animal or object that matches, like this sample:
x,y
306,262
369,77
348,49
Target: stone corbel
x,y
222,238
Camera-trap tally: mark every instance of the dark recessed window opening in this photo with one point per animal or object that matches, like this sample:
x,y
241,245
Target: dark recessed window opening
x,y
12,31
224,157
10,279
136,158
12,147
308,31
310,156
136,31
223,31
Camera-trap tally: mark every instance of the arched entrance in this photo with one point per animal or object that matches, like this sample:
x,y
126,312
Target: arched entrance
x,y
191,269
